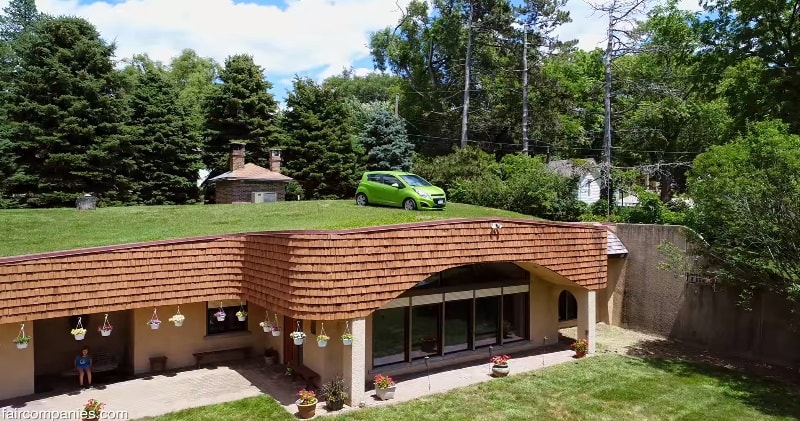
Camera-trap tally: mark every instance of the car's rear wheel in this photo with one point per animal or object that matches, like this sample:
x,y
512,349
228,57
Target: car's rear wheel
x,y
361,199
409,204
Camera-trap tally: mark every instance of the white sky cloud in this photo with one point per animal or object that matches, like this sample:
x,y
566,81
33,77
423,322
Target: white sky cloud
x,y
315,38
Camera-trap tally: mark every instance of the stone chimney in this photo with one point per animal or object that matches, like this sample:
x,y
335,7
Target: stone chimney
x,y
237,156
275,160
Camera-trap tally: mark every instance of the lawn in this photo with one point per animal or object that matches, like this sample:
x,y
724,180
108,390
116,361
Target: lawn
x,y
40,230
609,387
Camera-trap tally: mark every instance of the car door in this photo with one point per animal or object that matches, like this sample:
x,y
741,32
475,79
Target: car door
x,y
393,195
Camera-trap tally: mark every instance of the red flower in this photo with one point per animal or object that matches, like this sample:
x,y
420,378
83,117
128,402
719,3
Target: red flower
x,y
500,360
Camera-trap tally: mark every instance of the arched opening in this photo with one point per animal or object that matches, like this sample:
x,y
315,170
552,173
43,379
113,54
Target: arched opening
x,y
458,310
567,306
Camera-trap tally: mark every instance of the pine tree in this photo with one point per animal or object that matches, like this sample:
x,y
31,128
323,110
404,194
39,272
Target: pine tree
x,y
385,140
320,150
241,109
166,150
66,115
17,17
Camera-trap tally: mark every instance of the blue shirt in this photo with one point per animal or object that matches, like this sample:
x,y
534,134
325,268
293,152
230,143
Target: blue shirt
x,y
83,362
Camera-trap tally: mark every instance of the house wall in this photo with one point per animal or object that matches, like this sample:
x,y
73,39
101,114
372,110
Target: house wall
x,y
594,189
17,364
241,191
178,343
327,362
707,315
58,348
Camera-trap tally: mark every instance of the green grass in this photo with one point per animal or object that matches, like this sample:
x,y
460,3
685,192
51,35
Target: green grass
x,y
40,230
600,388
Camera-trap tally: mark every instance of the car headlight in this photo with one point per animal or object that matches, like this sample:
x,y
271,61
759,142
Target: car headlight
x,y
422,194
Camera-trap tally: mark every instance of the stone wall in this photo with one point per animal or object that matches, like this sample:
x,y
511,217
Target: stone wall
x,y
237,191
658,301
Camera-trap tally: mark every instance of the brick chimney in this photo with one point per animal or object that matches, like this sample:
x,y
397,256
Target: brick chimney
x,y
275,160
237,156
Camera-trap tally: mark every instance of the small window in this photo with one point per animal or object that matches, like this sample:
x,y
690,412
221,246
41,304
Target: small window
x,y
230,324
374,177
389,180
567,306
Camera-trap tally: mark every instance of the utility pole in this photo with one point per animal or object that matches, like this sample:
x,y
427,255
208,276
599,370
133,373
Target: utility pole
x,y
525,89
465,111
397,104
607,106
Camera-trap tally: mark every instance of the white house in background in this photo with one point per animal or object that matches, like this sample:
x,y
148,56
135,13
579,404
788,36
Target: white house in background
x,y
588,175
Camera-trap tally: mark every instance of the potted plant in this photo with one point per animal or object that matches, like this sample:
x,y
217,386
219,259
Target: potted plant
x,y
241,315
220,315
276,330
335,393
322,340
267,326
384,387
105,330
271,356
298,337
307,404
347,339
500,365
177,319
91,410
154,323
581,347
78,333
22,341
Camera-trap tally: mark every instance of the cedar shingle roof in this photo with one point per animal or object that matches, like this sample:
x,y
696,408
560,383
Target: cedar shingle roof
x,y
251,172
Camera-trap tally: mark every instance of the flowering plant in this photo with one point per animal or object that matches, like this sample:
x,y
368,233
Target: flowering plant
x,y
322,338
581,345
79,331
219,314
383,382
177,318
347,336
106,327
265,324
154,321
276,328
307,397
241,313
298,335
92,408
22,339
500,360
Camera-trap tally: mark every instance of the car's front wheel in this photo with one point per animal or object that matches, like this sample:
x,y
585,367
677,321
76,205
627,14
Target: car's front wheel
x,y
361,199
409,204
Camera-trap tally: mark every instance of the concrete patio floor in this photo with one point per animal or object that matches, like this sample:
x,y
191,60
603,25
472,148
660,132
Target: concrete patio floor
x,y
165,393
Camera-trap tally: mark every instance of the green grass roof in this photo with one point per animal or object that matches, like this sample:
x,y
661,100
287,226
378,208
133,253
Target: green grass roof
x,y
40,230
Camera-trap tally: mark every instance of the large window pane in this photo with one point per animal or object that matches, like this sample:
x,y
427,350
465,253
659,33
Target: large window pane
x,y
456,325
487,318
230,324
425,330
514,317
389,336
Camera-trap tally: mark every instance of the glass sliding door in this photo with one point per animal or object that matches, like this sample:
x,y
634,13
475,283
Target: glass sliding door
x,y
425,332
389,333
457,321
487,321
515,310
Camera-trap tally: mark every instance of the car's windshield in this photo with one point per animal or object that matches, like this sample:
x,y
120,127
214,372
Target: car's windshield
x,y
415,180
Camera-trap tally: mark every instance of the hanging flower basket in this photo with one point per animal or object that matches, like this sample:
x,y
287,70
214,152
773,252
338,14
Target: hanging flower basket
x,y
22,340
276,331
106,328
154,322
298,337
78,333
267,326
347,339
177,320
241,315
322,340
220,315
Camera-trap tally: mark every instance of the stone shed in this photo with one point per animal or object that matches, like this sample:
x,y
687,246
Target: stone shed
x,y
250,183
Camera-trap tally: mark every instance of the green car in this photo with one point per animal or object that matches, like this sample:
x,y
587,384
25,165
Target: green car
x,y
397,188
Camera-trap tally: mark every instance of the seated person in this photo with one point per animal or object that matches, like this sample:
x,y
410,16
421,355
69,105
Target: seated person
x,y
83,364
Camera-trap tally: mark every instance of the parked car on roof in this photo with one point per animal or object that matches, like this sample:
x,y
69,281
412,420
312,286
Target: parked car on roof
x,y
398,188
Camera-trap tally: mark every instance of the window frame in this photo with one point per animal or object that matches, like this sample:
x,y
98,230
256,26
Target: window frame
x,y
232,323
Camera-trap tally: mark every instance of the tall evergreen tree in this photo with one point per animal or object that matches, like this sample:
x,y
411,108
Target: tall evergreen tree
x,y
166,149
240,109
66,115
195,77
320,148
18,16
386,143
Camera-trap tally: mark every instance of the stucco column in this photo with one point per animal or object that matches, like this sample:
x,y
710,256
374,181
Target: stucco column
x,y
587,317
355,362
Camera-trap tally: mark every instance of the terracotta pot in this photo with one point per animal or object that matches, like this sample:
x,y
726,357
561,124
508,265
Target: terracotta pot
x,y
306,411
580,354
386,394
500,370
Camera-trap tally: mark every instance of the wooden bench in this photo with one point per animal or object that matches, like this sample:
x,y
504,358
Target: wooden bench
x,y
101,362
307,374
198,356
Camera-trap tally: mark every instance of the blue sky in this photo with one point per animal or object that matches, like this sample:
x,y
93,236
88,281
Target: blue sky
x,y
313,38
